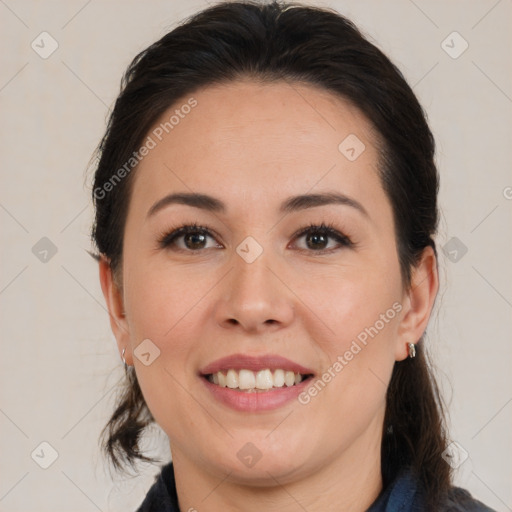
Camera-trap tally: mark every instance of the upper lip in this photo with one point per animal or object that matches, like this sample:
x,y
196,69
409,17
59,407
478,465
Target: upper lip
x,y
254,363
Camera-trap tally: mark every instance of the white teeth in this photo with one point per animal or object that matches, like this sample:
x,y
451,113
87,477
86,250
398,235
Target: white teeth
x,y
279,378
264,379
246,379
289,378
232,379
251,381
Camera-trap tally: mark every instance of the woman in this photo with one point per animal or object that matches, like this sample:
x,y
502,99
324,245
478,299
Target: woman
x,y
266,202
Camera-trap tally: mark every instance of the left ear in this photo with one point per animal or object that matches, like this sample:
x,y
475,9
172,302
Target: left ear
x,y
418,302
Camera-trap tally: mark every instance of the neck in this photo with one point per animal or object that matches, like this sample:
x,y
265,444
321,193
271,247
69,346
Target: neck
x,y
351,480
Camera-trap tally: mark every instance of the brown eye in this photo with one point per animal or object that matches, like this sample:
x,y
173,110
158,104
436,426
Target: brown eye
x,y
316,241
322,238
194,240
190,238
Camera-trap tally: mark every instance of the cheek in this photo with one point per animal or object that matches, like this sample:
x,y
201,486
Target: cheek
x,y
165,306
355,321
162,300
353,304
355,324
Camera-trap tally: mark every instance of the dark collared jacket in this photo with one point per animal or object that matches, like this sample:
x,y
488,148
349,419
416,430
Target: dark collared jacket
x,y
404,494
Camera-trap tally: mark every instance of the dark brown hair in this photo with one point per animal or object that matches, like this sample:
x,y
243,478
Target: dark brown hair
x,y
296,43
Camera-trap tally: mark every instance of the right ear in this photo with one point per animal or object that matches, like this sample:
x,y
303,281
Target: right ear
x,y
114,299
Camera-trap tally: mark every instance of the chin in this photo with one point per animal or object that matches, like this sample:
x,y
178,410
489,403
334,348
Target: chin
x,y
259,460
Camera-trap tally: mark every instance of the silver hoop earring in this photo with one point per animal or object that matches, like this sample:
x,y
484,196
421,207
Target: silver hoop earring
x,y
412,350
124,360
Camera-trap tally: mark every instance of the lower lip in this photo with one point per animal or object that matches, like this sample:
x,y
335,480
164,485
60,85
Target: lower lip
x,y
255,401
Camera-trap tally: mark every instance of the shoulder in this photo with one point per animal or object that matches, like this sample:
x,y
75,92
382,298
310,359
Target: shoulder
x,y
455,500
406,494
162,496
460,500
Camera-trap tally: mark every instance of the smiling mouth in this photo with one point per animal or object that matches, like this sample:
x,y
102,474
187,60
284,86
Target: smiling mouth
x,y
253,382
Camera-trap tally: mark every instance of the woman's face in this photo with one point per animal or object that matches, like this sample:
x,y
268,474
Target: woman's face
x,y
258,281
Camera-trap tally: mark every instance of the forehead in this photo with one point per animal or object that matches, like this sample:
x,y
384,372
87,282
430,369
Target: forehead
x,y
256,141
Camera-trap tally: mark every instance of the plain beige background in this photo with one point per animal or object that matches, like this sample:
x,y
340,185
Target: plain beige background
x,y
59,364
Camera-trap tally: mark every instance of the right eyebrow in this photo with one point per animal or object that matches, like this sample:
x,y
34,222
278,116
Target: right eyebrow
x,y
202,201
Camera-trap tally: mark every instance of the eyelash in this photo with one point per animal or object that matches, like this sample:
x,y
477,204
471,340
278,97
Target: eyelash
x,y
167,239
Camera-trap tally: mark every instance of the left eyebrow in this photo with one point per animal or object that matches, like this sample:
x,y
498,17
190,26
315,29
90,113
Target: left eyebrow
x,y
303,202
292,204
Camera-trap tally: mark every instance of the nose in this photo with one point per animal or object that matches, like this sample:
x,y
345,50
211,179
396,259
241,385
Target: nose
x,y
254,298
